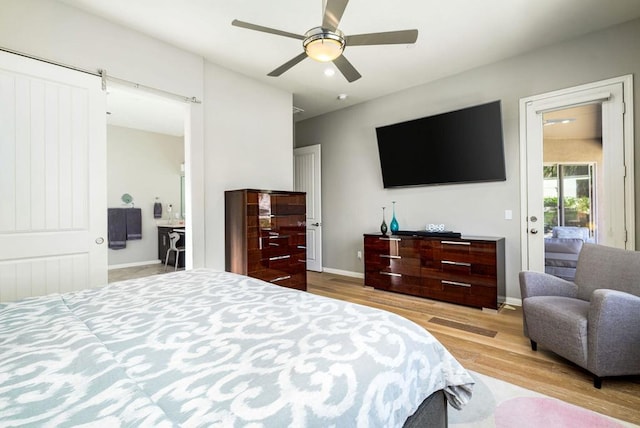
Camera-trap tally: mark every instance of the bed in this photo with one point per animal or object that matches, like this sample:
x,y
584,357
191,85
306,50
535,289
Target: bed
x,y
216,349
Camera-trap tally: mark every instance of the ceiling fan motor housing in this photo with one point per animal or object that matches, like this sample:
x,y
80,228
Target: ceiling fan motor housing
x,y
323,44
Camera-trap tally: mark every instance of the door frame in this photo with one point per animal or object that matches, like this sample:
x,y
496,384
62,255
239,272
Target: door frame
x,y
530,129
314,196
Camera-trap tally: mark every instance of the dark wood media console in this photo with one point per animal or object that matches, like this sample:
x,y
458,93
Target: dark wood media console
x,y
467,270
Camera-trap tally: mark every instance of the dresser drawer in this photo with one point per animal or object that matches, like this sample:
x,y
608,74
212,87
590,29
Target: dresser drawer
x,y
393,281
463,292
297,280
466,257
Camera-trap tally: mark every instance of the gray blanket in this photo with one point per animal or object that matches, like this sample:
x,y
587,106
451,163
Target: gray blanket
x,y
208,348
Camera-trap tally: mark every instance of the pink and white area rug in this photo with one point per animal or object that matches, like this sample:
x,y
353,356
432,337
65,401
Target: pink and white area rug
x,y
503,405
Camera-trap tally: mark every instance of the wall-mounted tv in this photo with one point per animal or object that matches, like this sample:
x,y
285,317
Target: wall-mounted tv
x,y
462,146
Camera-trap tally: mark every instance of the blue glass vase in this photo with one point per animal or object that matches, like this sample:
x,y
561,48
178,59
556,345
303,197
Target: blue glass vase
x,y
394,226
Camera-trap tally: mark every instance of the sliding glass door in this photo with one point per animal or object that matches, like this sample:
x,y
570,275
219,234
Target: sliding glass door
x,y
569,196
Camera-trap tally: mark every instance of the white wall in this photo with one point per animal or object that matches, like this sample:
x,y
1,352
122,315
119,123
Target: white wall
x,y
352,188
145,165
252,148
57,32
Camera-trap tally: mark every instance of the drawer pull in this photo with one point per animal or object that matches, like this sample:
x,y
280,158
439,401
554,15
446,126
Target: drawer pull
x,y
281,278
457,284
390,274
455,243
273,244
302,247
387,256
279,257
447,262
390,239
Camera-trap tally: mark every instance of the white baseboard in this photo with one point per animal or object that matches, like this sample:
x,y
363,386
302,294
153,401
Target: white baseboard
x,y
513,301
343,272
127,265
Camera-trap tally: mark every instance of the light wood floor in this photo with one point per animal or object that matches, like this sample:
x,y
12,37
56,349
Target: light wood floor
x,y
466,332
507,356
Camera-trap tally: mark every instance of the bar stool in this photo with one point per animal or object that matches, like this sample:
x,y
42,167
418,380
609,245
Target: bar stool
x,y
174,237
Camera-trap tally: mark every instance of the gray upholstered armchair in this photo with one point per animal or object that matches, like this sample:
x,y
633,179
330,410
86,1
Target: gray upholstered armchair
x,y
594,322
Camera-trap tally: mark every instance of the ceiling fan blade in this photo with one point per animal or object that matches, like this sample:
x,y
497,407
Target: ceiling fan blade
x,y
287,65
333,13
347,70
255,27
388,38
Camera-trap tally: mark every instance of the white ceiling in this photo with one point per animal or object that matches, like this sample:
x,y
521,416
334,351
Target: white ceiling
x,y
454,36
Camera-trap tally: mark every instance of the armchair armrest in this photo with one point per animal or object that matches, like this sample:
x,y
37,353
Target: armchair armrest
x,y
614,333
543,284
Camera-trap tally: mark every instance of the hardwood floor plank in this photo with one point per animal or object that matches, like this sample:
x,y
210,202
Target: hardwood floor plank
x,y
506,356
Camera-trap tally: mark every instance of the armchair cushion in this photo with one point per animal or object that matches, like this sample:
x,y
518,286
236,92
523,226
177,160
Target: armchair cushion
x,y
560,323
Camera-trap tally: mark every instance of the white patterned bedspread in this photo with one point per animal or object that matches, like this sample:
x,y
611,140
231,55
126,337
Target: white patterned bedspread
x,y
214,349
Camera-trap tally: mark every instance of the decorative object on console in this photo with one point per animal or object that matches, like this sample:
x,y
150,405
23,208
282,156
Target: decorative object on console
x,y
383,226
127,199
435,227
394,223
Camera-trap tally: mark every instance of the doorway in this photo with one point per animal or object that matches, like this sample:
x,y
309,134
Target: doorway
x,y
609,182
307,178
146,160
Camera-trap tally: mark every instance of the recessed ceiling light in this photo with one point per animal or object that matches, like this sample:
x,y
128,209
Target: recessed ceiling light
x,y
329,72
342,97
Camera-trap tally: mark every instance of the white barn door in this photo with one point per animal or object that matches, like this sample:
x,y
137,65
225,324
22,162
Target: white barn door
x,y
52,179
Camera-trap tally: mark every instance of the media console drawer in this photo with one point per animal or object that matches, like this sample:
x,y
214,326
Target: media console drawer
x,y
467,270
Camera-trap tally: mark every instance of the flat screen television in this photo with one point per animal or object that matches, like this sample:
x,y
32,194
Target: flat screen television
x,y
462,146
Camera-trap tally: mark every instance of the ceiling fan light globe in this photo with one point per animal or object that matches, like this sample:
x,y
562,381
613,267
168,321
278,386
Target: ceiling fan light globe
x,y
323,45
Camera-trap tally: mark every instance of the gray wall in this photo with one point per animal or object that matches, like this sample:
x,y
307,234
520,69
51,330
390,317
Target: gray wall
x,y
352,190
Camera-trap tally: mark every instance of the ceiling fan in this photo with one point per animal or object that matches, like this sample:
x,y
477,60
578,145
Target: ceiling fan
x,y
326,43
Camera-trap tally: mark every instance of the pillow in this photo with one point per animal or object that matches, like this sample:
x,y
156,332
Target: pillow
x,y
571,232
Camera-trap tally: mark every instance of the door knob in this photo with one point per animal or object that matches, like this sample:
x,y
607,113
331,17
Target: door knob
x,y
534,231
99,240
315,224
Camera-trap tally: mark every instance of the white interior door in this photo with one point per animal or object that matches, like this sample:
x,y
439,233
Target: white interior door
x,y
617,227
307,179
52,179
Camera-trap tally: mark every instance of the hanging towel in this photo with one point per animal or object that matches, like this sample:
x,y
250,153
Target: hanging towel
x,y
134,223
157,210
117,225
